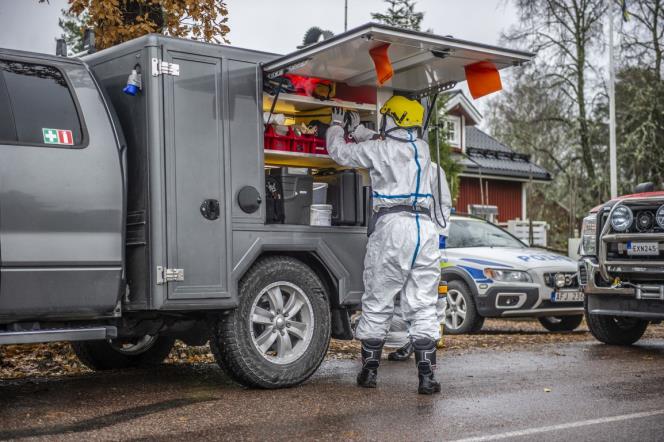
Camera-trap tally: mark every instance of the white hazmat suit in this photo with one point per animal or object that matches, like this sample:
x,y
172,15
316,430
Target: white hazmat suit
x,y
398,334
402,253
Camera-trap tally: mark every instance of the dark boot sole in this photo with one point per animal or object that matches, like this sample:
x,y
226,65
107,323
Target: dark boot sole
x,y
365,384
428,390
397,358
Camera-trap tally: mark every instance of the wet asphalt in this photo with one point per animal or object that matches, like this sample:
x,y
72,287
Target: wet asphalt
x,y
570,391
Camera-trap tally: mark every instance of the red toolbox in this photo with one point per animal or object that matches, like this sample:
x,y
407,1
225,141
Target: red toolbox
x,y
303,143
276,139
319,146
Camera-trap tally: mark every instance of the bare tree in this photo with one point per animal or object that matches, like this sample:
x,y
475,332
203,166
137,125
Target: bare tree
x,y
642,33
640,93
565,32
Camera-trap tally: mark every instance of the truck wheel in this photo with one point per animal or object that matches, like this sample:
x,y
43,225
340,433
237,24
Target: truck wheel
x,y
616,330
560,323
279,333
138,352
460,312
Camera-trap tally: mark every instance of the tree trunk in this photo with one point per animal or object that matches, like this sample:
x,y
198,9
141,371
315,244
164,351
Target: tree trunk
x,y
584,132
655,38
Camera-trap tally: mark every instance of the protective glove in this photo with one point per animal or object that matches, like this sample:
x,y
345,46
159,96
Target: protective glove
x,y
361,133
442,241
353,120
338,116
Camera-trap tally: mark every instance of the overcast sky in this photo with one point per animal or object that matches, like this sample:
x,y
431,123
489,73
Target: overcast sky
x,y
275,25
278,25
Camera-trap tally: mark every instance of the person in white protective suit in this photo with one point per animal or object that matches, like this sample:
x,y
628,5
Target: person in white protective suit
x,y
398,334
402,254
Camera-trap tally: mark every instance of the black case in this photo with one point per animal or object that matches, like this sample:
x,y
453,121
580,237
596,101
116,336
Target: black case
x,y
346,195
289,197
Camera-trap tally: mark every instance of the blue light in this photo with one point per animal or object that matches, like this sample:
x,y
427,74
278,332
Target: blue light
x,y
130,89
133,82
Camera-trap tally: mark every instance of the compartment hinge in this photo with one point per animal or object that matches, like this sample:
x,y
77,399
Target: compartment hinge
x,y
165,275
160,67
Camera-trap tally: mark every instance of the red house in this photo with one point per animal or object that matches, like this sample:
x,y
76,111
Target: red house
x,y
494,177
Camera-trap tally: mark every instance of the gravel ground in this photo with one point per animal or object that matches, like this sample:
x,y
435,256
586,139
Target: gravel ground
x,y
57,359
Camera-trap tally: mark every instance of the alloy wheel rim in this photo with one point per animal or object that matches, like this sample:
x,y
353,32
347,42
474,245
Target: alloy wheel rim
x,y
281,322
455,310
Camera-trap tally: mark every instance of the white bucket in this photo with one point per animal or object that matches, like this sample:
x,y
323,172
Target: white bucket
x,y
321,215
320,193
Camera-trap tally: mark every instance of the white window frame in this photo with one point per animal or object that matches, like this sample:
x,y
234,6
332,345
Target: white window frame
x,y
455,141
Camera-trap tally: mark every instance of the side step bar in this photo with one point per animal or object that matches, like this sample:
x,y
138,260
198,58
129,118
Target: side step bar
x,y
51,335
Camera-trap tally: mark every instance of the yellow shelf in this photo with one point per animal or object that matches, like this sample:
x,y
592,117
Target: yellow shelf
x,y
303,102
297,159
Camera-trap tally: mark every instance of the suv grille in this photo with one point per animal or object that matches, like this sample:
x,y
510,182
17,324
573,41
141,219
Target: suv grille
x,y
644,228
583,275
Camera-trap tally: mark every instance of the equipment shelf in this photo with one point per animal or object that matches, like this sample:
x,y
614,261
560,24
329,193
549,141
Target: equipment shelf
x,y
298,159
304,103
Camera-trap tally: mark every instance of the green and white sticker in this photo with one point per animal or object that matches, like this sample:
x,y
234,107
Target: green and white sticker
x,y
57,136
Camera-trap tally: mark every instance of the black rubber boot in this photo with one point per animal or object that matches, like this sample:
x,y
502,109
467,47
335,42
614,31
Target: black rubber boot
x,y
401,354
425,358
371,351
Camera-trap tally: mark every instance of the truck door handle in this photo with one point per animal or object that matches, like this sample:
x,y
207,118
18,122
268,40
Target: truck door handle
x,y
210,209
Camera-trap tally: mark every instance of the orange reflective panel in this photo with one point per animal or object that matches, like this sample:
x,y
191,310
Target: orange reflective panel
x,y
382,63
483,78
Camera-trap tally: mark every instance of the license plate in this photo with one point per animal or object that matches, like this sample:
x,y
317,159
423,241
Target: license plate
x,y
567,296
642,248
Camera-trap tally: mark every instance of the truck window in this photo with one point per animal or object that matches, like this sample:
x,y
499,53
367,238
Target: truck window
x,y
41,104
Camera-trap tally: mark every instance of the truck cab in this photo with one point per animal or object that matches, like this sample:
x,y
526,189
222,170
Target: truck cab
x,y
622,266
180,211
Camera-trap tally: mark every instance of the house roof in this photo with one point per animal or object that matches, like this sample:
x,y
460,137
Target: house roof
x,y
457,101
494,158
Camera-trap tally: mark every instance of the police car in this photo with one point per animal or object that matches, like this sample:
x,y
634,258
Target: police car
x,y
492,274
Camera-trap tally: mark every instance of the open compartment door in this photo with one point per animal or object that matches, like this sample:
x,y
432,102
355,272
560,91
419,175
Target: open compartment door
x,y
418,61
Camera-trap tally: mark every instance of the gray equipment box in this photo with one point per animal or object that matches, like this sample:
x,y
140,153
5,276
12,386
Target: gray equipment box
x,y
194,140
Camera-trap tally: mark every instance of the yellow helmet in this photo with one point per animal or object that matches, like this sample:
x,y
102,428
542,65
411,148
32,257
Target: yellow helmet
x,y
405,112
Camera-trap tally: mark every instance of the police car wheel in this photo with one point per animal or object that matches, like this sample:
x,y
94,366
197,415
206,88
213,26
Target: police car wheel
x,y
460,312
561,323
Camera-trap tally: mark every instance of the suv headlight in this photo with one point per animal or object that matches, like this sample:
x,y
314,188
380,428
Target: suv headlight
x,y
503,275
589,235
659,216
621,218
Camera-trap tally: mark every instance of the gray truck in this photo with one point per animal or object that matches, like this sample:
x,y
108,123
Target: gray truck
x,y
622,266
130,220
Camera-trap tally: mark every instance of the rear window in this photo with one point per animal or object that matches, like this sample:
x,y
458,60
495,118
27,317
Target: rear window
x,y
36,106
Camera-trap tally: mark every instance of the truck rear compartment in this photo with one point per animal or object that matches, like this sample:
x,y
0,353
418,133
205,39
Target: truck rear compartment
x,y
197,139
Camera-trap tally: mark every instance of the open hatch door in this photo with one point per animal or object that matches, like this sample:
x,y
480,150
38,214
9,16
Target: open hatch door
x,y
419,61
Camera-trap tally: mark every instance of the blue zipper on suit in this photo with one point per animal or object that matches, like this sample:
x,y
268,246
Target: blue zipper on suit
x,y
417,192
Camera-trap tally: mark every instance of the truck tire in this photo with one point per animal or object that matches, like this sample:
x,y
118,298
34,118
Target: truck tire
x,y
109,355
461,315
561,323
280,331
616,330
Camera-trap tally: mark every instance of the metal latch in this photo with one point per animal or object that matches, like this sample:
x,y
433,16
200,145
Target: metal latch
x,y
165,275
160,67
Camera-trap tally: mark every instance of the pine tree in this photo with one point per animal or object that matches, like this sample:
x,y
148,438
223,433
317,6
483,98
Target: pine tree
x,y
448,163
401,14
72,27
